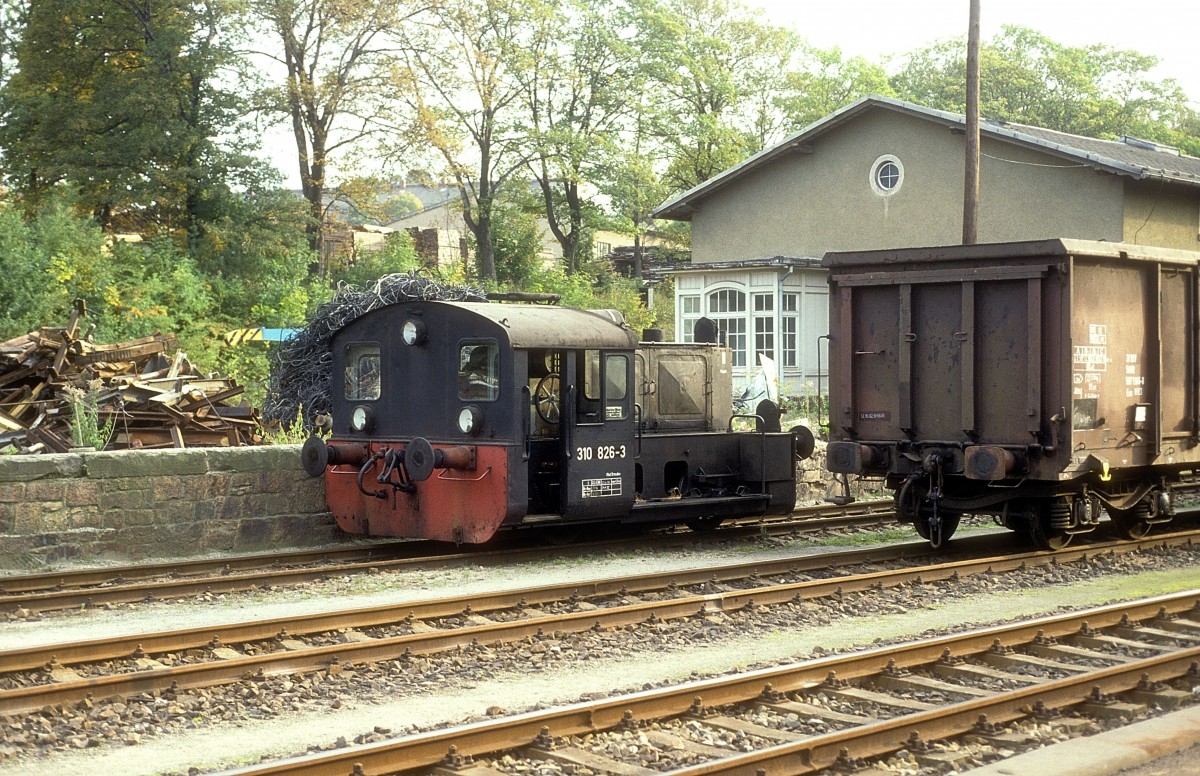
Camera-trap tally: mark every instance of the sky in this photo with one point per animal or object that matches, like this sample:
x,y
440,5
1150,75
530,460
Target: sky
x,y
875,28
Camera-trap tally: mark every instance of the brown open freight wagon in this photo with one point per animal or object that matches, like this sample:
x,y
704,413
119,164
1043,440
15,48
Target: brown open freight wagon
x,y
1035,381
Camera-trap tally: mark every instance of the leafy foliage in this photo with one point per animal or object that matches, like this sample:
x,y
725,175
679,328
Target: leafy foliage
x,y
825,81
1025,77
123,102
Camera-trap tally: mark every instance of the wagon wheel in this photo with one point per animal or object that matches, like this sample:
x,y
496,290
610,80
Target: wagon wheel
x,y
1132,523
1044,535
545,398
949,524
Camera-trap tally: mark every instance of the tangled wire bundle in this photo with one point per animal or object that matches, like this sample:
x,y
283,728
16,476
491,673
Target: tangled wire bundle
x,y
302,367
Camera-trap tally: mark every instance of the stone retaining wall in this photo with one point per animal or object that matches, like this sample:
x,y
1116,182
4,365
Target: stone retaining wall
x,y
184,503
813,482
171,503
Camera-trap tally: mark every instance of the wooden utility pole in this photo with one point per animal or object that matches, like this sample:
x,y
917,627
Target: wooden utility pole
x,y
971,178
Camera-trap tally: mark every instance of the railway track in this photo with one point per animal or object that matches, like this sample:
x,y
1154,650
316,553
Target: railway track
x,y
85,588
993,689
65,673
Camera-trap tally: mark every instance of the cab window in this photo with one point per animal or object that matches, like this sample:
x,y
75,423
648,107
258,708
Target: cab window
x,y
591,375
616,375
478,371
362,373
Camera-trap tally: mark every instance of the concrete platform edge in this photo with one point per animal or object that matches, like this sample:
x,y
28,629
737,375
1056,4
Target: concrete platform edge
x,y
1105,753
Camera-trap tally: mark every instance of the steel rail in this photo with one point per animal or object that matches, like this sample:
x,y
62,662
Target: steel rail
x,y
75,589
480,603
422,751
117,647
13,584
310,659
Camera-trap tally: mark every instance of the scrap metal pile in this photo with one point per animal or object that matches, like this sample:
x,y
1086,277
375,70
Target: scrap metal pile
x,y
301,368
52,378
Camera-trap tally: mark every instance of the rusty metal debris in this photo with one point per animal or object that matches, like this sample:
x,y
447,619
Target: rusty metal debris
x,y
144,392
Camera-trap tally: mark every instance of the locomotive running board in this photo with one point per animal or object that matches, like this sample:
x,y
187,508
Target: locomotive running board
x,y
750,505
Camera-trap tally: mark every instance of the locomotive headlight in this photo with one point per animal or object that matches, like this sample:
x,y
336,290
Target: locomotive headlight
x,y
362,418
469,420
413,332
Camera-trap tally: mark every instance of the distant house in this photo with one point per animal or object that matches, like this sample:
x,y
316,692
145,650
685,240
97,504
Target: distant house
x,y
882,173
445,216
439,232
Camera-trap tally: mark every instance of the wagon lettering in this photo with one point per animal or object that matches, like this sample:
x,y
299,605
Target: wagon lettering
x,y
876,415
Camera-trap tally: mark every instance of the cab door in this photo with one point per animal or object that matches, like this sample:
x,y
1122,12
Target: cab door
x,y
598,435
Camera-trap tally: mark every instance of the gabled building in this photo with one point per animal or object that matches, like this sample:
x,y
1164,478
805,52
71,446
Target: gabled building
x,y
883,173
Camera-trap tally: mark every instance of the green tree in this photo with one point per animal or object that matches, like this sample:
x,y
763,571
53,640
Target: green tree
x,y
12,22
122,101
517,241
823,80
371,199
254,252
576,83
34,256
1025,77
131,289
713,65
462,98
338,57
397,255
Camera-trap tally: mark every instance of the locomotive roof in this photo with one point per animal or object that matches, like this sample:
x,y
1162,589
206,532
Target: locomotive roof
x,y
536,326
544,326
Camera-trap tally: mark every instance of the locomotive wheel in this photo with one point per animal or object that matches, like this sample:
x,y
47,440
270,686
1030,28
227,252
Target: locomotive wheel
x,y
1131,523
545,399
558,535
702,524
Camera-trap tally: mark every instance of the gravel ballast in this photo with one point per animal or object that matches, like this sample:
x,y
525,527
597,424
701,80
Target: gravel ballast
x,y
473,695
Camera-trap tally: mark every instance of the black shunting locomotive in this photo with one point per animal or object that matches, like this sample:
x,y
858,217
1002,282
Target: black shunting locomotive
x,y
454,420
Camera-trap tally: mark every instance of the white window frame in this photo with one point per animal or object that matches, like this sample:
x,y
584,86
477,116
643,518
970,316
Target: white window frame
x,y
789,330
730,322
877,167
763,314
691,309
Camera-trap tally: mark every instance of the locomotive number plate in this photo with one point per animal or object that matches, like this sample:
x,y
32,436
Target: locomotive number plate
x,y
602,487
600,453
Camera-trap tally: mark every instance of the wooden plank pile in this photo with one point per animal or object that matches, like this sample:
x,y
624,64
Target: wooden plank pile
x,y
146,398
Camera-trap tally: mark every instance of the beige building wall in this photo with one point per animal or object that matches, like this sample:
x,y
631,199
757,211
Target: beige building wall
x,y
1163,215
808,203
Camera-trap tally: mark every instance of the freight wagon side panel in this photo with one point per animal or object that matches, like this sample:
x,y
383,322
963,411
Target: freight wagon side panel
x,y
951,355
1179,387
1007,361
1133,365
1113,368
865,376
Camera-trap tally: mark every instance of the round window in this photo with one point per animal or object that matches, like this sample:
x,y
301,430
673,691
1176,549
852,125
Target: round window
x,y
886,175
